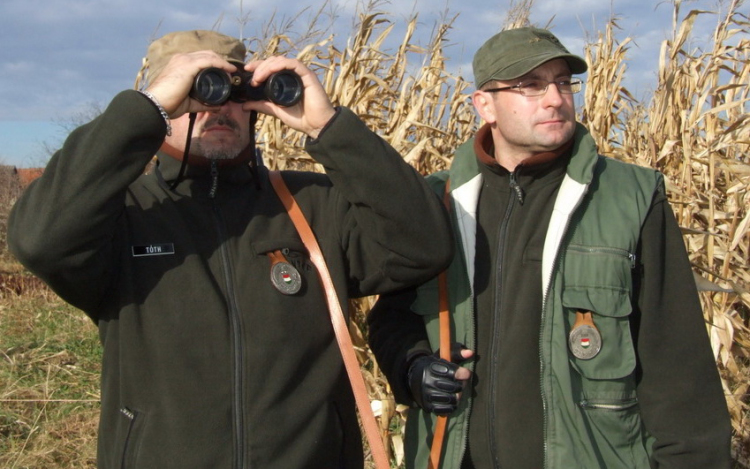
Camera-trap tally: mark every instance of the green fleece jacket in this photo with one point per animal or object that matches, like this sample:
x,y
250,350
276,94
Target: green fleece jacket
x,y
205,362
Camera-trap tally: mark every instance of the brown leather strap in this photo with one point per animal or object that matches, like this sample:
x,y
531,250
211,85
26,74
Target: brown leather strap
x,y
276,257
445,349
445,353
337,319
583,318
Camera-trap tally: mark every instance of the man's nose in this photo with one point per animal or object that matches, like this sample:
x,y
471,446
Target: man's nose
x,y
552,96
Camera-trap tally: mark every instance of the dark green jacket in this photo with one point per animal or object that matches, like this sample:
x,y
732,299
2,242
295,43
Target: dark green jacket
x,y
206,364
651,398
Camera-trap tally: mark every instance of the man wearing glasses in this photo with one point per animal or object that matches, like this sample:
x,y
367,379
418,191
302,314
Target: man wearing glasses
x,y
573,311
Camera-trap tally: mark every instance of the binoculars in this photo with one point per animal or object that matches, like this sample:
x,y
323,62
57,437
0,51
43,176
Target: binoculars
x,y
214,86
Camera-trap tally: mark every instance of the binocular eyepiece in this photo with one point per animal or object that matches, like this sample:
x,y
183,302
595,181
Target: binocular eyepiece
x,y
213,87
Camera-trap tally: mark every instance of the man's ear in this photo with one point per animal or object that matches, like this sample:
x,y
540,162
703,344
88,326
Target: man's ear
x,y
482,101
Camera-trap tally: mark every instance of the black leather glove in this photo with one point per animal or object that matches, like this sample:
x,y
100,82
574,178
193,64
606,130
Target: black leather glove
x,y
433,384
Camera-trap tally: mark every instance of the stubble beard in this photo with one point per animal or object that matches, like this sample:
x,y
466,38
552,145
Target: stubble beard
x,y
223,149
219,151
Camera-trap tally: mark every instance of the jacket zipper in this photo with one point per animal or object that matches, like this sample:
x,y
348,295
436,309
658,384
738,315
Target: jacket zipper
x,y
541,357
467,412
516,194
545,422
586,404
236,328
471,343
214,180
131,416
604,251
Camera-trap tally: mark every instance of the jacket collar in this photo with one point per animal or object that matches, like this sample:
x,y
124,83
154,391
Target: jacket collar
x,y
465,166
466,182
237,171
484,148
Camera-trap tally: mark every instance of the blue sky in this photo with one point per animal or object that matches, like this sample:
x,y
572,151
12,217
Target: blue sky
x,y
61,58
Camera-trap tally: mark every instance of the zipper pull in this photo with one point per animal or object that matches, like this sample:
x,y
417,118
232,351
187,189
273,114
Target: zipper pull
x,y
214,178
516,188
129,414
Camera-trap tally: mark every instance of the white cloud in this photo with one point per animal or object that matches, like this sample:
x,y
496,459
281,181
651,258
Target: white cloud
x,y
19,69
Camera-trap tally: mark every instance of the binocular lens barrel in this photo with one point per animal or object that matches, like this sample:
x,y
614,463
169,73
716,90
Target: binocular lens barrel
x,y
211,87
284,88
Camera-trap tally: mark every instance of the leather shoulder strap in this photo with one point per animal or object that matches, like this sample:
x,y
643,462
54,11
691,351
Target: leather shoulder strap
x,y
337,319
444,321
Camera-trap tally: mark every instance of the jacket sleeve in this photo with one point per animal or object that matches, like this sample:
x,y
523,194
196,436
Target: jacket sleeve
x,y
679,389
396,232
63,226
396,337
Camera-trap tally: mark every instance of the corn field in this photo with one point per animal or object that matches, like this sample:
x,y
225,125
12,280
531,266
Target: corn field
x,y
695,129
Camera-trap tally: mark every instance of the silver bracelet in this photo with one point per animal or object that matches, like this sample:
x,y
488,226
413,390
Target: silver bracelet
x,y
161,110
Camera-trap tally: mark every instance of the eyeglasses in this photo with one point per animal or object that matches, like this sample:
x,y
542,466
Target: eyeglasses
x,y
537,87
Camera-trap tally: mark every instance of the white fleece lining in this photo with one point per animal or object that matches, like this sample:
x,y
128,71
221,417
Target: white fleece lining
x,y
568,198
466,200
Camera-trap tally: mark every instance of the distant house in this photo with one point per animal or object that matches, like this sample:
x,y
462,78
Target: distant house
x,y
12,181
26,175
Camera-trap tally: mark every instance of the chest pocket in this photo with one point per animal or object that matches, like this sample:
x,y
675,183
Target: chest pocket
x,y
599,280
293,250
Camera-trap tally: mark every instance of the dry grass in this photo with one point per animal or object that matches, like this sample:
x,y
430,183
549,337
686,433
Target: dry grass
x,y
49,381
695,129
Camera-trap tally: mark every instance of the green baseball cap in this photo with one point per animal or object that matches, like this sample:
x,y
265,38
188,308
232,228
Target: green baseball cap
x,y
515,52
180,42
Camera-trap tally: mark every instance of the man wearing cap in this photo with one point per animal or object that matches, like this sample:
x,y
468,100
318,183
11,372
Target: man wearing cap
x,y
218,350
574,313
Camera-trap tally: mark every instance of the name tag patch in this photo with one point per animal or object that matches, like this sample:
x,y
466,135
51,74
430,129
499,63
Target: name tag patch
x,y
153,250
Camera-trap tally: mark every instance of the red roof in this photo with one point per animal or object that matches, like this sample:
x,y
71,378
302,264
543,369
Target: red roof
x,y
26,175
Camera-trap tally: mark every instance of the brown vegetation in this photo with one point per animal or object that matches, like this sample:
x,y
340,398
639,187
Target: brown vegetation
x,y
695,129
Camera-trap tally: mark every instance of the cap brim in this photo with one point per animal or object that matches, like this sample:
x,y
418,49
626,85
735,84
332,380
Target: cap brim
x,y
522,67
